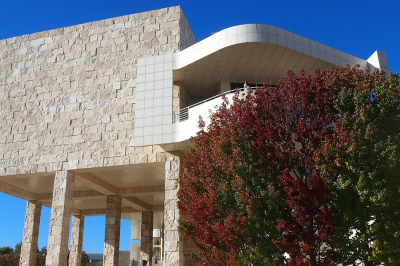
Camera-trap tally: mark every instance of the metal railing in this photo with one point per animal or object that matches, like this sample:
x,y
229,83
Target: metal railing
x,y
183,114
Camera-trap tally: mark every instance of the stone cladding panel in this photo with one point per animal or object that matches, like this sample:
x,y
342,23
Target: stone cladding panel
x,y
124,258
67,96
57,244
31,233
112,232
146,238
75,249
173,241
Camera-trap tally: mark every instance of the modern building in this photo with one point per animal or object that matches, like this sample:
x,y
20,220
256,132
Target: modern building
x,y
95,119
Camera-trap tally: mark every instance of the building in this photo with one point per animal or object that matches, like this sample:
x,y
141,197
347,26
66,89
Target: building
x,y
95,120
123,260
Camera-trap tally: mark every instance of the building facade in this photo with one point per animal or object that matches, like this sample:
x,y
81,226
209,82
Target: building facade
x,y
95,120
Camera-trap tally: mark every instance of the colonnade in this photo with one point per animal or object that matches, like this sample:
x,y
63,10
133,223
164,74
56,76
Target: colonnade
x,y
57,246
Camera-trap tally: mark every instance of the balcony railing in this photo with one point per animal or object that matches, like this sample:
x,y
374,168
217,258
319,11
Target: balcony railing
x,y
183,114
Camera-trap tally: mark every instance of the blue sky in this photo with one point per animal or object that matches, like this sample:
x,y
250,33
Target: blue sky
x,y
355,27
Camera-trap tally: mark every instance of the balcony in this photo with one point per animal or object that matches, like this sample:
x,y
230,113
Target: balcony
x,y
186,120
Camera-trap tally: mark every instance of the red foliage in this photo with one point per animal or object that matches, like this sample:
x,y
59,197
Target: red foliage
x,y
302,113
254,169
274,168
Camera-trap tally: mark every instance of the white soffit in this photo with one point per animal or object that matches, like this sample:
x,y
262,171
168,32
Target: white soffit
x,y
252,52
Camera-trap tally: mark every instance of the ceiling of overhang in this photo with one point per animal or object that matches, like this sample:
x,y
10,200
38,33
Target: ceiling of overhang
x,y
254,62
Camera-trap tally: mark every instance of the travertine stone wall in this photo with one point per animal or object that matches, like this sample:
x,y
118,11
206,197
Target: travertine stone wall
x,y
146,238
173,244
113,226
67,96
186,37
124,258
180,100
180,97
31,233
57,244
75,245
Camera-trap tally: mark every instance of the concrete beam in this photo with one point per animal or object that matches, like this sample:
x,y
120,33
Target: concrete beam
x,y
76,195
99,212
157,208
75,211
87,194
21,176
96,183
45,197
147,190
135,203
93,212
16,191
128,210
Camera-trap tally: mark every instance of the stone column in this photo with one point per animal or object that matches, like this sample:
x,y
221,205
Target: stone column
x,y
31,233
146,238
113,225
75,245
57,244
173,249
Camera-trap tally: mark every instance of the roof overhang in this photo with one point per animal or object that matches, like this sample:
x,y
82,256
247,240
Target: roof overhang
x,y
252,52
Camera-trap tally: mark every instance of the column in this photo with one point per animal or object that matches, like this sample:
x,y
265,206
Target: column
x,y
75,245
113,224
31,233
57,244
146,237
135,238
173,249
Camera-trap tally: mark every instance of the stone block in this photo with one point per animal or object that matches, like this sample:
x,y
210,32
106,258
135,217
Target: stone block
x,y
31,233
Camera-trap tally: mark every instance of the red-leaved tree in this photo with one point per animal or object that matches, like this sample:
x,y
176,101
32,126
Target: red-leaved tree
x,y
274,177
250,190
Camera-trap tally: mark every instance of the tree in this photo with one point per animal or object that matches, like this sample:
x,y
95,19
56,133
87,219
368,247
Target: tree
x,y
259,181
85,260
251,175
301,117
6,250
222,169
42,251
9,260
18,248
360,164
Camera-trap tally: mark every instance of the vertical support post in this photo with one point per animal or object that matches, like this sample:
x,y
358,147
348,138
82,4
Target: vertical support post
x,y
135,239
113,226
57,244
173,248
75,249
146,246
31,233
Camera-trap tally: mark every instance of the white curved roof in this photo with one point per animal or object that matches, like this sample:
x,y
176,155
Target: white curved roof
x,y
259,33
252,52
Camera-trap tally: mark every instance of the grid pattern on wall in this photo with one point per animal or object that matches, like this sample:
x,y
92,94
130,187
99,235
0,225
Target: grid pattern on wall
x,y
153,114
